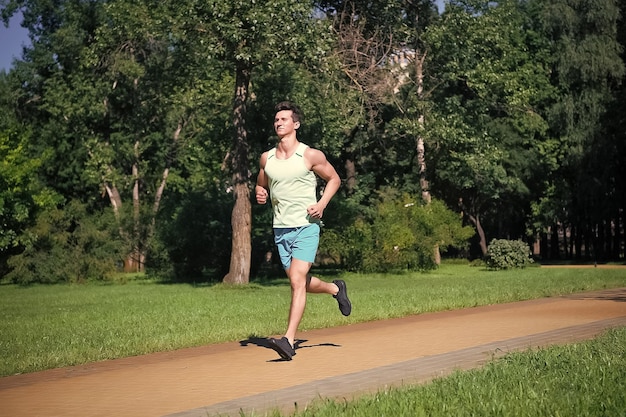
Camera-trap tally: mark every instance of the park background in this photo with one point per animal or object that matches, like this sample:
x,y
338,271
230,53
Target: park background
x,y
131,131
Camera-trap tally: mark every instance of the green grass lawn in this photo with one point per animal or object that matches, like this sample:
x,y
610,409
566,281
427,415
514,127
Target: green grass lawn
x,y
580,379
45,327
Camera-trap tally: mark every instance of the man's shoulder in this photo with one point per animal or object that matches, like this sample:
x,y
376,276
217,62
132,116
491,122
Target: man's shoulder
x,y
313,153
270,152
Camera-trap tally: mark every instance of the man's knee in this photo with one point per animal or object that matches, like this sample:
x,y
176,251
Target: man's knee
x,y
298,279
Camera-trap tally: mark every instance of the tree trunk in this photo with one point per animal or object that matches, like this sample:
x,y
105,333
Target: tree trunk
x,y
421,149
555,252
601,242
135,260
241,219
565,244
618,235
240,258
116,200
481,233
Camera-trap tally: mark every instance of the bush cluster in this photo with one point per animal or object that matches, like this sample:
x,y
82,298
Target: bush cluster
x,y
400,234
67,245
507,254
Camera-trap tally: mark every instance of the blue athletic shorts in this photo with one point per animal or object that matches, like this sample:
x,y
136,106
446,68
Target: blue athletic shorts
x,y
297,242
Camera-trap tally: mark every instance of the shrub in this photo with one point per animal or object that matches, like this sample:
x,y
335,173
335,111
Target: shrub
x,y
507,254
67,245
399,235
352,248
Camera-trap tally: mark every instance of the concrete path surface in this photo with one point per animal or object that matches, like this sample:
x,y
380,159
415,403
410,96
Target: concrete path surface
x,y
340,362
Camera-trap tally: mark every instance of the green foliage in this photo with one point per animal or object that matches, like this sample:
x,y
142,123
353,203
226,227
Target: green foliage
x,y
131,111
400,234
587,66
350,247
22,193
67,244
586,61
508,254
485,137
115,94
246,32
189,247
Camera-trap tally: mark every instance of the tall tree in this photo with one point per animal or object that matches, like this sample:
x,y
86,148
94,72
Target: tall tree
x,y
246,35
163,88
114,95
586,69
485,129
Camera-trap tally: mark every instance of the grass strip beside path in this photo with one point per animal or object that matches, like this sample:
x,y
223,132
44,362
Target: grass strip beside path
x,y
581,379
45,327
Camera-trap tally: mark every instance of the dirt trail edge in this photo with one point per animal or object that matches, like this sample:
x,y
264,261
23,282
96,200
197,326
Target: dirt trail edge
x,y
339,362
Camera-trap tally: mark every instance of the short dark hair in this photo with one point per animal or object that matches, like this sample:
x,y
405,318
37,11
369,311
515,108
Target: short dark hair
x,y
297,115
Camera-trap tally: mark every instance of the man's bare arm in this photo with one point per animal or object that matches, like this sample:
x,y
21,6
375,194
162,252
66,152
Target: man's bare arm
x,y
324,169
261,182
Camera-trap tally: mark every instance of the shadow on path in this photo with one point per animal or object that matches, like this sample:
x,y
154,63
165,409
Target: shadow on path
x,y
264,342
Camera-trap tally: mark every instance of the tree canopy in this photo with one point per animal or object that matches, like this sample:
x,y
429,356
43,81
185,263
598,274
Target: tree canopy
x,y
144,121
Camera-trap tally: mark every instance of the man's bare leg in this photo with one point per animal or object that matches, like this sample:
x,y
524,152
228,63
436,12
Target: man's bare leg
x,y
315,285
301,283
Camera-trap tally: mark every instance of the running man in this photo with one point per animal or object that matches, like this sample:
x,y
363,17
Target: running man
x,y
287,176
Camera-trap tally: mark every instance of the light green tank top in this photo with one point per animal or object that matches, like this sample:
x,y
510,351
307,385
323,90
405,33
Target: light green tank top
x,y
292,188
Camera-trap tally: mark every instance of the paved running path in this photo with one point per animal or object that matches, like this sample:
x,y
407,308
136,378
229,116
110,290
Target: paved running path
x,y
338,362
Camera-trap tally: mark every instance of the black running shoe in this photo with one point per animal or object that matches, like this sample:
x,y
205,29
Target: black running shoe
x,y
342,297
283,348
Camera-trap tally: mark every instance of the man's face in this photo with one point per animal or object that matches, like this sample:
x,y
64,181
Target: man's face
x,y
284,124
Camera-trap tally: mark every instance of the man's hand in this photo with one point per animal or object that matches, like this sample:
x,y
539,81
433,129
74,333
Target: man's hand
x,y
261,194
316,210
